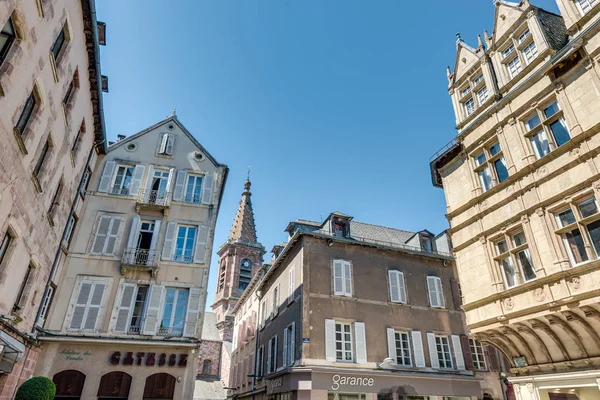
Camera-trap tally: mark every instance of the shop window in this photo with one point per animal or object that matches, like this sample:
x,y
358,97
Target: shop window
x,y
69,385
114,386
159,387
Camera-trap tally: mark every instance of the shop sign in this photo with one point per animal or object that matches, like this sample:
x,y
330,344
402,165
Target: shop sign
x,y
342,380
148,359
72,355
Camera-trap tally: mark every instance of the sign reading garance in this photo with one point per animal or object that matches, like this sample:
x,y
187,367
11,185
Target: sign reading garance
x,y
341,380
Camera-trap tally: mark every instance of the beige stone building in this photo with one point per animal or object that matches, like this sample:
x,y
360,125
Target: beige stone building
x,y
125,320
51,130
522,187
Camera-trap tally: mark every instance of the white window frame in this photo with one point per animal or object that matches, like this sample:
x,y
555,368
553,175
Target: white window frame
x,y
346,278
477,355
544,125
581,223
174,309
469,106
122,186
485,167
408,348
514,66
182,257
397,277
343,342
482,95
440,301
167,144
197,197
511,256
530,52
586,7
444,357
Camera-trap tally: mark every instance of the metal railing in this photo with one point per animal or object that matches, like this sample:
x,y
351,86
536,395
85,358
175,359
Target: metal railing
x,y
168,331
154,197
134,330
441,151
140,257
192,198
183,258
119,191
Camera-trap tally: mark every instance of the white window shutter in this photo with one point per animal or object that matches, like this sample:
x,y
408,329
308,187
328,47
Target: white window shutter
x,y
80,306
207,188
292,353
458,353
170,180
201,242
155,235
347,279
133,236
440,293
170,144
360,342
338,277
167,250
153,309
150,177
330,340
432,291
125,307
402,288
433,354
391,340
179,185
136,181
191,316
94,307
417,341
112,239
106,178
104,223
291,285
285,347
163,143
394,288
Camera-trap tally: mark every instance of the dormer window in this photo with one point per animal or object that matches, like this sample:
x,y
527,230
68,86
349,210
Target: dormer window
x,y
469,106
523,36
339,227
508,50
473,93
427,243
478,80
520,50
465,91
167,142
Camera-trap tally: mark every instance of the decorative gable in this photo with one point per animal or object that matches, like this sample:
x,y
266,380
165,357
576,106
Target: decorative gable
x,y
466,58
507,14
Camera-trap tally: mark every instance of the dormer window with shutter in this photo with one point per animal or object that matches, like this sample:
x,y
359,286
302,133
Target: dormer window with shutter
x,y
473,93
519,51
167,142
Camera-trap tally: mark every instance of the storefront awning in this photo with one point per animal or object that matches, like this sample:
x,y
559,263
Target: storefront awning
x,y
11,352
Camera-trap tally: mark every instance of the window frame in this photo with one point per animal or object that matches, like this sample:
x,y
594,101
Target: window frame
x,y
408,342
182,257
469,91
477,355
343,341
580,223
544,125
345,290
440,298
489,164
272,355
170,329
5,246
27,112
11,38
163,145
401,283
443,359
513,51
42,158
591,4
113,180
197,197
29,273
511,253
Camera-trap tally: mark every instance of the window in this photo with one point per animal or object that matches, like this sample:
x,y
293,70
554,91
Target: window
x,y
482,95
46,304
523,36
76,144
184,247
397,287
88,304
263,313
477,354
289,344
530,52
173,317
402,345
585,5
21,296
512,251
275,302
107,235
86,181
68,94
509,50
43,154
260,359
291,284
577,225
435,292
245,274
139,308
55,200
166,144
69,230
514,66
272,355
547,129
490,166
206,367
122,180
478,80
443,351
26,114
193,191
343,342
521,50
58,44
427,243
465,91
7,37
5,247
469,106
342,278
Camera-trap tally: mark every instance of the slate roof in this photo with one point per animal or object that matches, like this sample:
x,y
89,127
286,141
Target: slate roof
x,y
244,228
209,328
380,233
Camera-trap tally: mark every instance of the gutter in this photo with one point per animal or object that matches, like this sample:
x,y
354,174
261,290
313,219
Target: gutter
x,y
92,6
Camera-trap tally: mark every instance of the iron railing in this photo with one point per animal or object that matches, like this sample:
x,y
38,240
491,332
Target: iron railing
x,y
140,257
154,197
183,258
169,331
134,330
192,198
119,191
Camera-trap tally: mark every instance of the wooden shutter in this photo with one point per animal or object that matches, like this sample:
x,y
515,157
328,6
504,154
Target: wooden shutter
x,y
440,293
394,290
269,349
136,180
491,357
80,307
112,240
207,188
417,341
191,316
347,278
391,341
133,237
432,291
163,143
155,235
330,340
170,144
285,348
94,307
104,223
179,185
106,178
433,355
291,277
360,341
276,352
402,288
466,348
338,277
201,242
167,250
455,294
170,181
292,353
153,309
125,307
150,177
458,352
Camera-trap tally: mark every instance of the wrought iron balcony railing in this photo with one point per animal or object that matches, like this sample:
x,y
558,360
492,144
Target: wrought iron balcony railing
x,y
140,257
154,198
134,330
169,331
183,258
119,191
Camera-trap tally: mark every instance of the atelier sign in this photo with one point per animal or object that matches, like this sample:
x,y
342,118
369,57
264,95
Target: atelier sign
x,y
148,359
341,380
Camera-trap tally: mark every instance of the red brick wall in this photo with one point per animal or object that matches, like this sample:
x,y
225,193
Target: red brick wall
x,y
210,351
22,371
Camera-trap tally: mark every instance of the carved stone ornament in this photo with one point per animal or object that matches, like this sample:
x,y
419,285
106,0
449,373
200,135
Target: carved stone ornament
x,y
539,294
543,171
540,212
482,240
531,14
512,121
464,59
558,87
596,185
517,389
530,387
524,219
502,17
575,151
484,204
509,304
499,130
575,282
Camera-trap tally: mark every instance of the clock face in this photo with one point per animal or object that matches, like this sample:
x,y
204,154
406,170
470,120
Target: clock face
x,y
246,263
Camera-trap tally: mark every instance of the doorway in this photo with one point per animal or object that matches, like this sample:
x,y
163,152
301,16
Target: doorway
x,y
159,387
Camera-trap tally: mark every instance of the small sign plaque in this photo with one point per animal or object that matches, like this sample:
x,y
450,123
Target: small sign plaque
x,y
305,340
520,361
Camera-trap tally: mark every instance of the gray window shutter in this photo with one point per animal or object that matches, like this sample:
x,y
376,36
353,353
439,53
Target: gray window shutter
x,y
80,306
394,289
150,177
417,341
292,353
361,342
338,277
330,340
269,356
104,223
163,143
191,316
167,250
170,180
433,355
432,291
136,181
125,307
347,278
153,310
458,353
154,240
133,237
106,178
170,144
391,340
201,242
285,348
94,307
207,188
440,293
112,239
179,186
401,287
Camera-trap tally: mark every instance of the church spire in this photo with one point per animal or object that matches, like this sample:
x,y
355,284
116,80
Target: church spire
x,y
244,229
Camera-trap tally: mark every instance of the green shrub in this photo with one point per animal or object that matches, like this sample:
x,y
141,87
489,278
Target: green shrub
x,y
36,388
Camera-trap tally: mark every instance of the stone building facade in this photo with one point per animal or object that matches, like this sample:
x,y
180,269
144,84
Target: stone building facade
x,y
52,132
522,184
126,319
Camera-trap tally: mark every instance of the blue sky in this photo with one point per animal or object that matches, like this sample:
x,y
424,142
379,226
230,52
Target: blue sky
x,y
336,104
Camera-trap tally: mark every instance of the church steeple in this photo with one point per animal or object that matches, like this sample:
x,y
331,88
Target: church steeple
x,y
244,229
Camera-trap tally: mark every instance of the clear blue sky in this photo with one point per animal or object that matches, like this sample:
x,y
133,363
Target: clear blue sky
x,y
336,104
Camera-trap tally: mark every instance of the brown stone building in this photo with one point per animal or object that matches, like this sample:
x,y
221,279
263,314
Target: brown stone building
x,y
51,130
350,310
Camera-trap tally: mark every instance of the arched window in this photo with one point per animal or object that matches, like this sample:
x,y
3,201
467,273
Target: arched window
x,y
207,367
159,387
69,384
114,386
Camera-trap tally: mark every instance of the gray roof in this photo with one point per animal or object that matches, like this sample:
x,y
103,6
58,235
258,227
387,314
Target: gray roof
x,y
379,233
209,327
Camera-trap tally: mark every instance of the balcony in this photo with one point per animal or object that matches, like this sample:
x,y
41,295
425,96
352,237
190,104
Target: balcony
x,y
169,331
153,200
135,259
